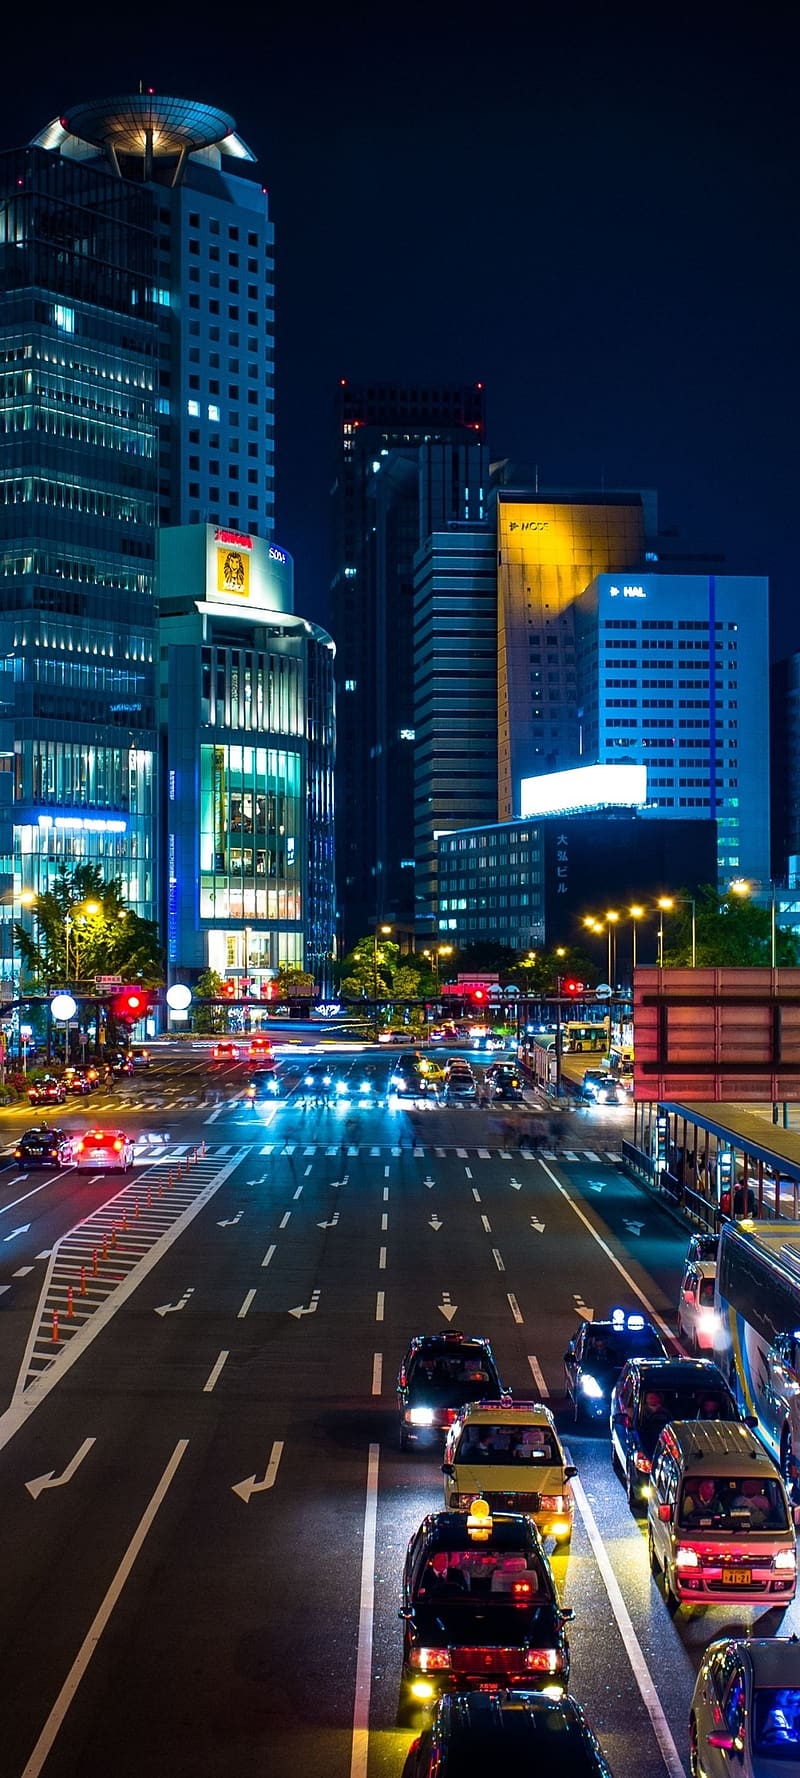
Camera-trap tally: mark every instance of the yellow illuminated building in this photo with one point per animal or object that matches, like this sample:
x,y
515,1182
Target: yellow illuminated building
x,y
548,552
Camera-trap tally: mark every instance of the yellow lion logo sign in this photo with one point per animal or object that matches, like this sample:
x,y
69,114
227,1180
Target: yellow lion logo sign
x,y
232,572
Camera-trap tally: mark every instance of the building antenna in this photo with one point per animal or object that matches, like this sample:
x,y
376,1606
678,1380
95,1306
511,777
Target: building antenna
x,y
536,467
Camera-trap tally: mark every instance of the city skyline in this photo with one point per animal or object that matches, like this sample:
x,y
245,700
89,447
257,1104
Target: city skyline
x,y
595,229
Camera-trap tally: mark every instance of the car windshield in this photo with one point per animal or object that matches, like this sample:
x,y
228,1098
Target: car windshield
x,y
747,1503
530,1735
504,1574
612,1346
448,1372
506,1444
659,1406
776,1724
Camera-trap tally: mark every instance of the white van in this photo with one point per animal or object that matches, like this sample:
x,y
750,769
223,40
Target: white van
x,y
719,1523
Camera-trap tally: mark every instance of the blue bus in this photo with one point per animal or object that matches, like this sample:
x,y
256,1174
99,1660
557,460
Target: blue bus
x,y
757,1338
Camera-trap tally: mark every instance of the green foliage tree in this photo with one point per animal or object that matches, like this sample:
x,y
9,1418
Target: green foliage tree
x,y
291,983
83,928
730,932
208,1020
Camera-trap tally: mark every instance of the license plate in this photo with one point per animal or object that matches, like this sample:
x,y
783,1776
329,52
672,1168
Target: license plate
x,y
736,1577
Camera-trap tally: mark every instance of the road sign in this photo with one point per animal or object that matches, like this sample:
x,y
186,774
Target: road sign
x,y
604,991
108,981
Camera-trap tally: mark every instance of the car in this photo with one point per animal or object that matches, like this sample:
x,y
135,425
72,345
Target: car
x,y
516,1733
501,1081
258,1048
47,1091
480,1608
263,1086
103,1151
610,1091
461,1084
702,1247
745,1710
119,1062
596,1354
43,1146
76,1080
720,1526
432,1070
225,1052
509,1453
439,1374
366,1084
698,1321
406,1080
591,1083
139,1057
648,1394
317,1083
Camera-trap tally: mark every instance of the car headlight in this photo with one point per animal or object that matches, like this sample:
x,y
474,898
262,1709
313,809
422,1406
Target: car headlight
x,y
342,1089
273,1086
708,1321
591,1387
420,1416
786,1559
309,1080
686,1558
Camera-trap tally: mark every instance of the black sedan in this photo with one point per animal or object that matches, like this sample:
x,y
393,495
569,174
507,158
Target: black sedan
x,y
42,1146
47,1091
516,1733
502,1081
650,1392
439,1374
480,1608
596,1354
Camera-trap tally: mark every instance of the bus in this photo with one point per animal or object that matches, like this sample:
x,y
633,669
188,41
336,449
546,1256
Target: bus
x,y
757,1334
576,1037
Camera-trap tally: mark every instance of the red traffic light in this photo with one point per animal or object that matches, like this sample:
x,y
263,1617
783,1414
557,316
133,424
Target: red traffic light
x,y
479,994
573,987
131,1003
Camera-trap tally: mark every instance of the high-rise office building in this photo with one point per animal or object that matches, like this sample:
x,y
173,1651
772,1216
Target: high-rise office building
x,y
386,501
673,674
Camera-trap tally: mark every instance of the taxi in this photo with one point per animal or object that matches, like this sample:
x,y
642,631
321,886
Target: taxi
x,y
259,1049
509,1453
596,1354
439,1374
43,1146
480,1608
225,1052
103,1151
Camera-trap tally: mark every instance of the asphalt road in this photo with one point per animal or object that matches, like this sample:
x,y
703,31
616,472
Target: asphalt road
x,y
204,1578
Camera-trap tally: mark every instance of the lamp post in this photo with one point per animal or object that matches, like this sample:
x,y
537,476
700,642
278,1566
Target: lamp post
x,y
667,904
636,913
385,930
743,888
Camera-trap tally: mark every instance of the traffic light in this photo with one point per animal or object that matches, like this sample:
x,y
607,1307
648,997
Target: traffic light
x,y
131,1004
573,987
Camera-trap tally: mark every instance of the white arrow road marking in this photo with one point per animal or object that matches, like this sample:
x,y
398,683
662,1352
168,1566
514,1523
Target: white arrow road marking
x,y
536,1373
251,1486
308,1309
635,1227
446,1308
537,1225
51,1480
597,1185
429,1182
331,1223
22,1230
172,1308
434,1223
231,1221
515,1184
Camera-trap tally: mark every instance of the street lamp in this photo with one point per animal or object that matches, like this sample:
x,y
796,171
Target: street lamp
x,y
667,905
385,930
743,888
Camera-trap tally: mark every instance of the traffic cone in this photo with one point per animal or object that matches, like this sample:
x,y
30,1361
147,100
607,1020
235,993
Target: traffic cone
x,y
104,1248
114,1236
149,1198
70,1310
203,1146
56,1334
94,1262
83,1280
136,1206
124,1221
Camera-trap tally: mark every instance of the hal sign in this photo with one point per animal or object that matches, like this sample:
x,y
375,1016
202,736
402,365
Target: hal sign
x,y
233,571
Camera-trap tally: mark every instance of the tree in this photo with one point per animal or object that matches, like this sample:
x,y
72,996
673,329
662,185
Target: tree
x,y
292,983
729,933
208,1019
83,929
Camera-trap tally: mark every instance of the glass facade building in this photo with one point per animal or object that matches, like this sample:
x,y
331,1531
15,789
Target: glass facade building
x,y
78,489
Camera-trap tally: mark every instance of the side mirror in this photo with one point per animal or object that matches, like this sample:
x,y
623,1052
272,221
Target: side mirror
x,y
567,1614
407,1616
796,1515
569,1472
665,1514
718,1738
448,1469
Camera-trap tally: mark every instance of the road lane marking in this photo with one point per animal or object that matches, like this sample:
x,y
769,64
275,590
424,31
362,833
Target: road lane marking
x,y
468,1172
380,1301
386,1172
641,1672
22,1272
476,1194
284,1219
384,1223
360,1744
245,1305
382,1260
251,1485
90,1642
215,1373
305,1176
486,1224
514,1307
215,1114
498,1259
616,1263
386,1194
51,1480
31,1194
536,1372
377,1372
268,1255
298,1193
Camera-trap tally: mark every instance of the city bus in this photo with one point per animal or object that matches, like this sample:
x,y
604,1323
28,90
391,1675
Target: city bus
x,y
757,1334
577,1037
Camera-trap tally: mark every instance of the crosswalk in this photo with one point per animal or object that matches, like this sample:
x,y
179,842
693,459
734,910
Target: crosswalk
x,y
420,1151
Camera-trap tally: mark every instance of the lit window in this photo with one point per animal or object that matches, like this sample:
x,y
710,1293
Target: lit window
x,y
193,409
64,318
213,411
350,685
407,734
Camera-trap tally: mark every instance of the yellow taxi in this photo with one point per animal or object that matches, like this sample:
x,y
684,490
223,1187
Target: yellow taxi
x,y
508,1453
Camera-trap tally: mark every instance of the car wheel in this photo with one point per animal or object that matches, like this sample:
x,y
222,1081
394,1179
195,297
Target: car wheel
x,y
651,1554
403,1439
694,1757
634,1498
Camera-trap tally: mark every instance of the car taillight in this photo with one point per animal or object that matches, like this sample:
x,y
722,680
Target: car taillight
x,y
430,1660
543,1660
521,1589
551,1503
118,1146
642,1463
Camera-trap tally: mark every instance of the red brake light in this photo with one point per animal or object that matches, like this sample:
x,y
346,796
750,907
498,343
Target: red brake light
x,y
118,1145
521,1589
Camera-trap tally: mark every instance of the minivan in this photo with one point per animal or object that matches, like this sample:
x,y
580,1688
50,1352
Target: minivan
x,y
719,1523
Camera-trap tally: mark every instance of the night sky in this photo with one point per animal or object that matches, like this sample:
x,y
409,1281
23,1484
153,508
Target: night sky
x,y
594,215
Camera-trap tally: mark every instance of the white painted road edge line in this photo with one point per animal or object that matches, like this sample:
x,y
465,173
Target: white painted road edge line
x,y
77,1670
360,1744
641,1672
644,1300
215,1373
377,1372
536,1373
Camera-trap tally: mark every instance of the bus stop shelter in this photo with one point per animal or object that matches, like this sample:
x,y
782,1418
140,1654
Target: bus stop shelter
x,y
715,1159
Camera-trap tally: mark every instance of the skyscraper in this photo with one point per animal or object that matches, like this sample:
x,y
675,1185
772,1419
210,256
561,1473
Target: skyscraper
x,y
384,505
